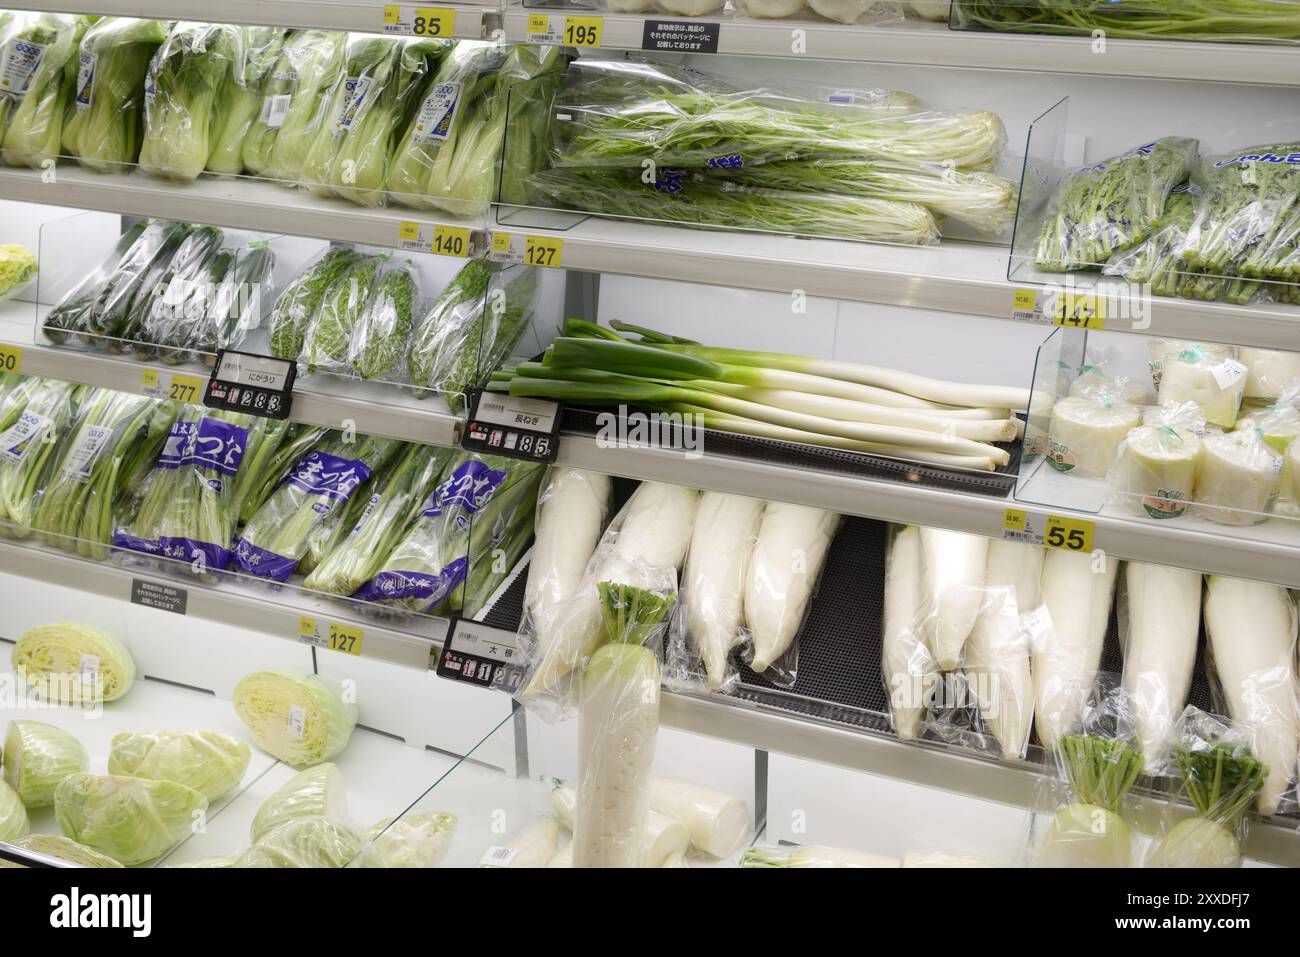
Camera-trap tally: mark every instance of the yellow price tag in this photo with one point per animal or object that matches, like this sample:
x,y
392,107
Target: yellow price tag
x,y
1079,311
501,243
336,637
1013,520
1024,305
538,23
543,251
392,13
11,359
419,21
451,241
408,232
582,31
1071,534
174,386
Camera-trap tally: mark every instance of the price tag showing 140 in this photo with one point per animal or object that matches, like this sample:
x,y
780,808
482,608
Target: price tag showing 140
x,y
173,386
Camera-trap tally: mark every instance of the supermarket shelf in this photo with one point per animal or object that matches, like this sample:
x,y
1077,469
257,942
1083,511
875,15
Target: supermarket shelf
x,y
354,15
235,602
933,43
1263,553
959,277
371,408
928,765
237,203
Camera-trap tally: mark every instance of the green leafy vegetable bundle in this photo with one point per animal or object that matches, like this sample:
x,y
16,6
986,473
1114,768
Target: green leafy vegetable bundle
x,y
240,104
40,52
325,345
72,314
299,304
27,448
1232,20
382,333
123,299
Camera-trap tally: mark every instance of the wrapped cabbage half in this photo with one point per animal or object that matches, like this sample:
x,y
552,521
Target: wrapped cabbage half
x,y
66,849
304,842
316,792
129,819
70,663
207,761
415,840
301,721
13,816
37,756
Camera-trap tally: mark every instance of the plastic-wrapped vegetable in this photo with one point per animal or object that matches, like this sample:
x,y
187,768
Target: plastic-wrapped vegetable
x,y
28,447
17,268
72,663
104,121
56,845
130,819
269,461
1155,466
1238,478
908,663
663,836
247,288
73,311
432,562
469,330
1213,382
326,343
1112,205
168,313
37,756
207,761
301,721
388,513
181,97
413,840
382,333
155,495
136,278
305,842
241,96
13,816
1089,829
320,483
200,521
316,792
294,103
1086,431
299,304
39,52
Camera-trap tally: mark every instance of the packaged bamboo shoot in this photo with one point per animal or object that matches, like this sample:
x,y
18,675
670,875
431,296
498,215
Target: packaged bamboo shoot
x,y
1155,468
1238,478
1085,433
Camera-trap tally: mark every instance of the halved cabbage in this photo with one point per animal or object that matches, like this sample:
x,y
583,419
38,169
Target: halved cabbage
x,y
66,849
222,860
302,721
129,819
37,756
304,842
415,840
316,792
72,663
207,761
13,816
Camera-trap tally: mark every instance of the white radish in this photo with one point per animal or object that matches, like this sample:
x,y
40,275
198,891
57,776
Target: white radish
x,y
718,823
534,846
1163,611
714,582
909,666
676,859
1078,597
663,837
997,652
793,542
571,514
617,727
1252,632
955,564
816,856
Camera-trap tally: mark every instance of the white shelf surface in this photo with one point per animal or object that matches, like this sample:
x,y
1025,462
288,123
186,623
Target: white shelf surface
x,y
921,42
320,400
1266,552
365,16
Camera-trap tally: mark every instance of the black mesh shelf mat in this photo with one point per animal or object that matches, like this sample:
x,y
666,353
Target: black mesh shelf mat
x,y
998,484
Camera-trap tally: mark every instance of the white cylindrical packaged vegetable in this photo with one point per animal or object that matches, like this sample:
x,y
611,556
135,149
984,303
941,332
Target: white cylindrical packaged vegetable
x,y
718,823
1252,632
1162,350
1238,478
908,663
663,835
1268,371
714,580
793,542
1155,468
953,583
571,511
769,9
1086,431
1214,383
1161,620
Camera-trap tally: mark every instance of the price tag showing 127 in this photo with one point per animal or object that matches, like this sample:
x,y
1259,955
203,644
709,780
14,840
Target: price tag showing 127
x,y
530,250
335,636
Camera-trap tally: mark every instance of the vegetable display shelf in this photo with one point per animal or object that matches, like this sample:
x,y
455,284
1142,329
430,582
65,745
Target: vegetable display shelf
x,y
923,42
373,408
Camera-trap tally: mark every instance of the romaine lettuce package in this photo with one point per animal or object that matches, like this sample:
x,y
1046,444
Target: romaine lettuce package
x,y
37,55
320,483
315,792
300,720
37,756
412,840
210,762
104,118
305,842
132,820
73,663
13,816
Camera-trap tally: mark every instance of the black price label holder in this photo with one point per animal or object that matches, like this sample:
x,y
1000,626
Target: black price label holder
x,y
482,655
251,383
515,427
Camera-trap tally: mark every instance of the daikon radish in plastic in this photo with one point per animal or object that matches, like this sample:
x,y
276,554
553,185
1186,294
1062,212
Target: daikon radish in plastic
x,y
909,666
663,836
1162,617
769,9
714,580
953,583
677,859
1162,349
571,513
793,542
718,823
1238,478
1077,592
843,11
1085,432
1094,379
1155,468
997,651
628,6
1268,371
1215,383
690,8
815,857
534,846
1252,632
1292,471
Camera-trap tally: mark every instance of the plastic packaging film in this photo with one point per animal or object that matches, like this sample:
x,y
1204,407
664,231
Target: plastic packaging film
x,y
41,50
378,341
1155,466
910,670
1238,478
